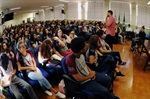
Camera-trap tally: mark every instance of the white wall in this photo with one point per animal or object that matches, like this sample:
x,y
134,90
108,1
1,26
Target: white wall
x,y
18,18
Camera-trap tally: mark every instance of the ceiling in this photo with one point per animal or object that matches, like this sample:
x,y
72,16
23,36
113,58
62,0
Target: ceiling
x,y
30,5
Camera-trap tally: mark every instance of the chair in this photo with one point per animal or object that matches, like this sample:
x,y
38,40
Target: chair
x,y
72,87
139,47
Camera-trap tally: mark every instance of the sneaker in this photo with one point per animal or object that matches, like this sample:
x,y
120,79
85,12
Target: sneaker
x,y
116,97
48,93
60,95
119,74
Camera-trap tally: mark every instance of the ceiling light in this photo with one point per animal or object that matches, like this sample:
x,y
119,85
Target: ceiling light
x,y
17,8
63,1
148,3
44,6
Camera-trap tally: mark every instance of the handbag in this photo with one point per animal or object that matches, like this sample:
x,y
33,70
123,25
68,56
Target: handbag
x,y
54,62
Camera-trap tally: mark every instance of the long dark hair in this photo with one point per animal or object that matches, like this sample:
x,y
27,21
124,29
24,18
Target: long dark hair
x,y
2,49
45,48
93,41
5,61
20,54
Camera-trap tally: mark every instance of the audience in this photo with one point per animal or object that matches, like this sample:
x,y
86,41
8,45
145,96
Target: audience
x,y
51,41
12,81
138,39
105,48
62,43
47,54
78,68
25,61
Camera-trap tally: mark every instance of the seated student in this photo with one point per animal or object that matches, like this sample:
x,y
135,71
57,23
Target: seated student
x,y
71,36
129,32
92,81
119,34
136,31
25,61
5,50
10,79
46,53
96,29
97,61
103,49
62,43
140,38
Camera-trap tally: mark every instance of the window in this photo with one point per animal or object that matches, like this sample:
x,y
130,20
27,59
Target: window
x,y
143,17
122,10
41,15
94,10
48,14
74,11
58,12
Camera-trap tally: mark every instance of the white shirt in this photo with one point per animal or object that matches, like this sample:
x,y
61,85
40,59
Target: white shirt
x,y
136,31
129,29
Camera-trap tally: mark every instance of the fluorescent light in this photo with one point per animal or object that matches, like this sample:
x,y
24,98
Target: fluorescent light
x,y
148,3
17,8
44,6
63,1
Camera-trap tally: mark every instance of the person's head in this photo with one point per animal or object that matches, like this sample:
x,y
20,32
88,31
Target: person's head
x,y
34,35
100,33
109,13
143,28
129,25
96,25
59,33
11,35
26,33
93,41
21,47
78,46
72,34
84,23
37,30
90,24
45,48
46,31
136,27
4,47
19,39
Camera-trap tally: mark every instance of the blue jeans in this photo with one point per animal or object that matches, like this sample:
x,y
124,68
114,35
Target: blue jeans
x,y
100,86
114,54
41,79
134,41
17,84
57,68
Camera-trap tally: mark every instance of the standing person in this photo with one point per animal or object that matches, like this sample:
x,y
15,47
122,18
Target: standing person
x,y
110,28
